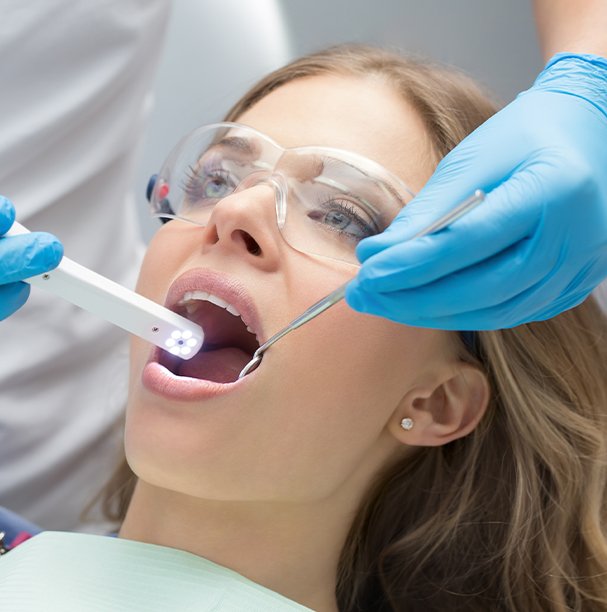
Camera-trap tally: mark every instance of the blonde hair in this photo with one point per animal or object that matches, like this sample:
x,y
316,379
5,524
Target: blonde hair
x,y
512,516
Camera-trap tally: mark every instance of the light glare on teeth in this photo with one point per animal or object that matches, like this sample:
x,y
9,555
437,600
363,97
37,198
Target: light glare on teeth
x,y
217,301
194,295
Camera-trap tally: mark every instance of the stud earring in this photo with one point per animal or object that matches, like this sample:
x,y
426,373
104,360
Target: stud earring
x,y
407,423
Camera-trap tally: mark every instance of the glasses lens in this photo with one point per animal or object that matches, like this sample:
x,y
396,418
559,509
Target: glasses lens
x,y
334,199
335,202
207,166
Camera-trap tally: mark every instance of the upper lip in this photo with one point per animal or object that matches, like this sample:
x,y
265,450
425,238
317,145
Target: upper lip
x,y
221,285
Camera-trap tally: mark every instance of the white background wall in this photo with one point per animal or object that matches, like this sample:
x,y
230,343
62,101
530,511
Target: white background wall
x,y
212,55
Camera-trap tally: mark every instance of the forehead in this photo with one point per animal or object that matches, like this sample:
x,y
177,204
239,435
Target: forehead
x,y
363,115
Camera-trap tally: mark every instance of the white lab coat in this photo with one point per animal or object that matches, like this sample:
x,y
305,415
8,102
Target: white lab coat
x,y
75,88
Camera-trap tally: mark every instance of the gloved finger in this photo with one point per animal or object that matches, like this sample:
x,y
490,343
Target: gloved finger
x,y
7,214
478,287
478,319
27,255
492,282
510,213
12,297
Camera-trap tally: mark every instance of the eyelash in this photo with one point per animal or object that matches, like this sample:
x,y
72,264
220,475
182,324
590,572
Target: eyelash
x,y
193,182
350,210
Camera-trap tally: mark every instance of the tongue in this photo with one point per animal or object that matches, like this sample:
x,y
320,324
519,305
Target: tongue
x,y
221,365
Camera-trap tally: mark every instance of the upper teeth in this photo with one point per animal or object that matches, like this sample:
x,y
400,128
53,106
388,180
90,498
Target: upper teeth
x,y
191,300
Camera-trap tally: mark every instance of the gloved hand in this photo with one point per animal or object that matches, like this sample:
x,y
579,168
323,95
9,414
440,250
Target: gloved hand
x,y
21,257
535,247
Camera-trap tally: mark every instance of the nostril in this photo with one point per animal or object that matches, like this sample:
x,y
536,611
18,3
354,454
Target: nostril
x,y
250,243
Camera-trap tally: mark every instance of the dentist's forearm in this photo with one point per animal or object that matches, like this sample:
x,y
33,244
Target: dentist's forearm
x,y
576,26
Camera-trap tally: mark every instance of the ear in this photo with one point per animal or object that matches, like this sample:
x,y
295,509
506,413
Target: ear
x,y
441,412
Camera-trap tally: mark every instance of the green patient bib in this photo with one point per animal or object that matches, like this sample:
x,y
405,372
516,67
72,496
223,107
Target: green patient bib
x,y
74,572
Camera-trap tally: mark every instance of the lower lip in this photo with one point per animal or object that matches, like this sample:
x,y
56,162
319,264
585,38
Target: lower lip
x,y
161,381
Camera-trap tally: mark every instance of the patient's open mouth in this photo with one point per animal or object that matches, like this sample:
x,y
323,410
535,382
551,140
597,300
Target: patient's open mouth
x,y
233,331
228,343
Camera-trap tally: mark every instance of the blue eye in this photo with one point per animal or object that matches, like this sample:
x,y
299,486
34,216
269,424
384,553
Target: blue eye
x,y
217,186
208,184
337,219
344,218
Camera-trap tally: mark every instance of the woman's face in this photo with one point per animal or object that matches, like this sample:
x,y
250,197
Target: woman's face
x,y
313,416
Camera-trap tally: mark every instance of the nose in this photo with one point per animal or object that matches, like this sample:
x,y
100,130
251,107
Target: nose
x,y
245,223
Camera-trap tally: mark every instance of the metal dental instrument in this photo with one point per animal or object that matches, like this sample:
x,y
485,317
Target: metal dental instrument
x,y
132,312
335,296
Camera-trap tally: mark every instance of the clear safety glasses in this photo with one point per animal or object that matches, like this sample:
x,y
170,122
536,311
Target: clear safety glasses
x,y
327,200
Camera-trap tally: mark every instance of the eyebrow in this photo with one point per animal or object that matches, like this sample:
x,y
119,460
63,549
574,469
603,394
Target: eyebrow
x,y
238,143
325,161
395,193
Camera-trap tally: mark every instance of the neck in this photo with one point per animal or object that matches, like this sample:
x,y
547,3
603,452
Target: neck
x,y
292,549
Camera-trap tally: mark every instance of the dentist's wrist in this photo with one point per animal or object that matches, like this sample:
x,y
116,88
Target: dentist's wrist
x,y
582,75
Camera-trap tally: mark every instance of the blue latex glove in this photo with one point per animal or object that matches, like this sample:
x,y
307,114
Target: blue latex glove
x,y
535,247
21,257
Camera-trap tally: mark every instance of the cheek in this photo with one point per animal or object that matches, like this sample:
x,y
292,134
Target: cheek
x,y
337,385
158,266
345,354
353,361
331,386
